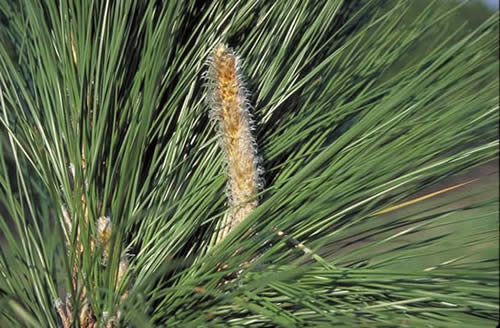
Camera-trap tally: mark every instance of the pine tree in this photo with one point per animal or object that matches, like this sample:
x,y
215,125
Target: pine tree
x,y
239,163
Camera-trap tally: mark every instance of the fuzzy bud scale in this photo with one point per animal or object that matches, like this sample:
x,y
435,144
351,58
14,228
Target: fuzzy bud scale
x,y
227,99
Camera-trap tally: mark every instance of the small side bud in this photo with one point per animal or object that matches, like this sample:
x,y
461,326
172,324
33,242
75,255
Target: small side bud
x,y
65,311
122,269
104,234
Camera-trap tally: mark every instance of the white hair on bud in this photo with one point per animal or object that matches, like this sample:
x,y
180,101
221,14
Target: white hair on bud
x,y
229,107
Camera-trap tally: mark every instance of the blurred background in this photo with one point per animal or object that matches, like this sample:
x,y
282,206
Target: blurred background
x,y
493,4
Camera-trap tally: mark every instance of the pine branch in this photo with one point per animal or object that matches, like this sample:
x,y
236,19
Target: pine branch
x,y
103,113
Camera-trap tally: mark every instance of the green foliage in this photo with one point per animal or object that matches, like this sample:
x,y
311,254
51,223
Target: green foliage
x,y
115,89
